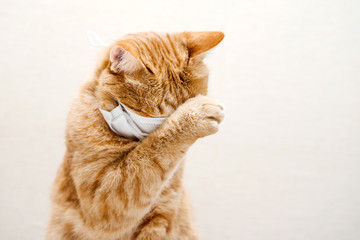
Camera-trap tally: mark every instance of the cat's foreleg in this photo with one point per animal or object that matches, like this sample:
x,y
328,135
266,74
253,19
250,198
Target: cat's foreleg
x,y
118,193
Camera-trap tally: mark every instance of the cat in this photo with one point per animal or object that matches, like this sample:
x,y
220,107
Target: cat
x,y
112,188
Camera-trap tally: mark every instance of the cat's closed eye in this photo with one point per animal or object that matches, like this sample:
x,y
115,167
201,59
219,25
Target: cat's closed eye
x,y
148,69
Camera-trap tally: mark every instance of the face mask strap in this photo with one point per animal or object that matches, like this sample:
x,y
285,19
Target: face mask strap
x,y
95,40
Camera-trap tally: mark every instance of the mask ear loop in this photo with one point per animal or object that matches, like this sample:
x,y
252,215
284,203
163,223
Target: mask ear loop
x,y
95,40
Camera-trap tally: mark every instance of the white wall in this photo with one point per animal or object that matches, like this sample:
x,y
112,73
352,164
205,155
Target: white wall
x,y
283,166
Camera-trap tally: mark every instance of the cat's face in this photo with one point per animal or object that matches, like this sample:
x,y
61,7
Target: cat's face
x,y
154,73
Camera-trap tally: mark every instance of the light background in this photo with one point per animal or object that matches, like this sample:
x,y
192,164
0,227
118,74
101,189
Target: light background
x,y
285,163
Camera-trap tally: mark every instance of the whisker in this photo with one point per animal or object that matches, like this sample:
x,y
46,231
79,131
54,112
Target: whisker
x,y
143,107
153,107
150,103
144,89
153,103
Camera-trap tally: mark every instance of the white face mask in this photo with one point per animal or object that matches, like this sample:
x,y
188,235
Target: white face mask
x,y
130,125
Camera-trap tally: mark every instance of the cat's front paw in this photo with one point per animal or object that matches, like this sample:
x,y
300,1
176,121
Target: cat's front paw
x,y
200,116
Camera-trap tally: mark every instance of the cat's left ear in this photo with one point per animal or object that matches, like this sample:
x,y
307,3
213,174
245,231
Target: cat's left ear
x,y
123,60
199,42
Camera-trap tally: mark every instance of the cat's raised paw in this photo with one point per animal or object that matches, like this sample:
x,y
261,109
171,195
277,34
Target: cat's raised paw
x,y
201,116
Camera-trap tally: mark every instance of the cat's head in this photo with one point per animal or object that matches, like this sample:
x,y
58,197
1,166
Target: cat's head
x,y
153,73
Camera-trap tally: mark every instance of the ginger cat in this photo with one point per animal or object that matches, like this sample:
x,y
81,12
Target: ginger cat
x,y
112,188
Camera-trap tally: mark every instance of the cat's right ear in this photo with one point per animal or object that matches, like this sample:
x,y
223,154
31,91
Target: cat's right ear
x,y
122,60
200,42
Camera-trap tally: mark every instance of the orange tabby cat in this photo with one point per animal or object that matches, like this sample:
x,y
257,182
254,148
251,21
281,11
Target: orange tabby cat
x,y
112,188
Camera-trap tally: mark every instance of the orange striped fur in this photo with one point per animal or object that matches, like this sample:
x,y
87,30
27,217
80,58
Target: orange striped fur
x,y
112,188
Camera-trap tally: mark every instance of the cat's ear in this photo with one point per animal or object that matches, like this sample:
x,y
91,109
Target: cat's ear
x,y
199,42
123,60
